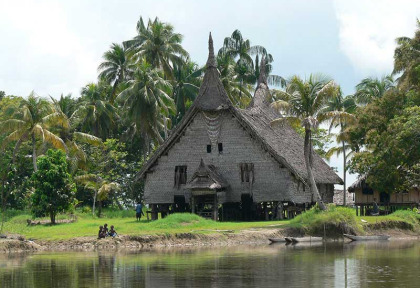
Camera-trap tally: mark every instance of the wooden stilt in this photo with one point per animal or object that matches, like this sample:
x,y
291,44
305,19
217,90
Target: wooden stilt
x,y
192,205
265,211
215,208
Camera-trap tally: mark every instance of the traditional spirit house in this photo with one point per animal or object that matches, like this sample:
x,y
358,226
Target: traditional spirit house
x,y
227,163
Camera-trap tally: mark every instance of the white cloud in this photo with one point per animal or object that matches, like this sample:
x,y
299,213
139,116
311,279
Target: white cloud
x,y
367,31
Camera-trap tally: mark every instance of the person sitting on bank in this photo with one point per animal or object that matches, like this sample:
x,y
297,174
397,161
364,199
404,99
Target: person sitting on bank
x,y
112,232
375,211
101,233
106,229
139,211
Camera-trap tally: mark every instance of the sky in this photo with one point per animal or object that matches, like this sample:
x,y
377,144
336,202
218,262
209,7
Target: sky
x,y
54,47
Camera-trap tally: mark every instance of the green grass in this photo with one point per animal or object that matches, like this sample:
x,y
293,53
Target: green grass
x,y
339,220
86,225
336,220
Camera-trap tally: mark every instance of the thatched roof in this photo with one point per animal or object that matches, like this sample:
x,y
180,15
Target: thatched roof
x,y
212,95
282,142
207,177
262,96
360,183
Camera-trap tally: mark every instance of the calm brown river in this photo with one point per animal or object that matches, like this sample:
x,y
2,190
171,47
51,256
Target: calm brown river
x,y
386,264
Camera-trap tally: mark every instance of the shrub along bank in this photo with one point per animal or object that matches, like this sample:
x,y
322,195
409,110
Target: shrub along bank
x,y
336,221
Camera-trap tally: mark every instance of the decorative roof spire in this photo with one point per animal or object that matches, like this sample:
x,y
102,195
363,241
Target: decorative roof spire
x,y
212,95
211,61
263,76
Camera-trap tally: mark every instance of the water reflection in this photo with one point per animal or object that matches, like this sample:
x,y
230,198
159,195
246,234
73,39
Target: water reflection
x,y
386,264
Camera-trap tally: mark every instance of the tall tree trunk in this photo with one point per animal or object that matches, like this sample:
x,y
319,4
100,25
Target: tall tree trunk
x,y
99,208
3,204
34,152
94,202
307,152
344,175
52,217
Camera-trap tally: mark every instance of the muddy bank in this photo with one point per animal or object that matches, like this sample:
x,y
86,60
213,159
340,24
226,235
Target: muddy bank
x,y
210,238
134,242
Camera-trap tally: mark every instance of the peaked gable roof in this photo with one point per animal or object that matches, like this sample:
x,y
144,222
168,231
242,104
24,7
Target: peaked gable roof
x,y
207,177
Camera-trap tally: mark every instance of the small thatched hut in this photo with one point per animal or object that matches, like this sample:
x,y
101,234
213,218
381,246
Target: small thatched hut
x,y
365,196
229,164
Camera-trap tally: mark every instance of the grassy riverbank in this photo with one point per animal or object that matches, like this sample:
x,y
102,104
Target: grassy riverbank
x,y
86,226
332,223
338,220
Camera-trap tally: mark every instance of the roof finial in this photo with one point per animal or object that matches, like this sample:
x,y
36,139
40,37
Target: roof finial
x,y
211,61
263,76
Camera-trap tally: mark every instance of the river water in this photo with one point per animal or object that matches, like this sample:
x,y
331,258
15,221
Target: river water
x,y
377,264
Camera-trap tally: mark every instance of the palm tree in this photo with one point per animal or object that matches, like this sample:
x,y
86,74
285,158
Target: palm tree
x,y
102,189
272,79
186,83
95,115
147,101
239,48
239,94
307,98
407,59
73,139
116,67
33,119
66,104
373,88
339,111
158,44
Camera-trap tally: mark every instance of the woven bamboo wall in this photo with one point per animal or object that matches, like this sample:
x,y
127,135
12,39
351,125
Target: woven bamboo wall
x,y
272,182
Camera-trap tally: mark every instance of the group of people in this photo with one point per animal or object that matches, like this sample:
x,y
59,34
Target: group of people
x,y
104,232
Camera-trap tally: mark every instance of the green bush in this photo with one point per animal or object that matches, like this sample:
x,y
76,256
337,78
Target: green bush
x,y
86,210
408,215
178,220
335,221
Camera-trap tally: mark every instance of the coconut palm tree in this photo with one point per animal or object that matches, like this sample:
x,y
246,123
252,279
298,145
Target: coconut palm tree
x,y
102,189
66,104
407,60
240,49
186,83
272,79
372,88
116,67
95,114
32,120
158,44
73,139
147,101
307,98
239,94
339,112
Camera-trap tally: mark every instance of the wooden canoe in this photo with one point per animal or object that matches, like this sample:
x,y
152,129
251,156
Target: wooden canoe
x,y
306,239
277,240
367,238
